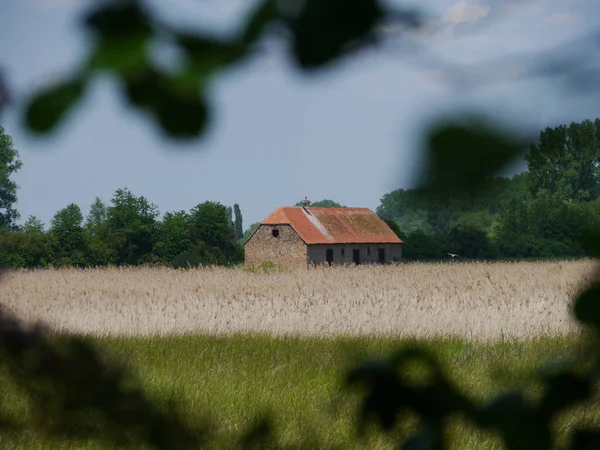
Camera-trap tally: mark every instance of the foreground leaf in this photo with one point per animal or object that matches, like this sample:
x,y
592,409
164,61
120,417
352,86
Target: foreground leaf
x,y
587,307
462,155
47,109
323,29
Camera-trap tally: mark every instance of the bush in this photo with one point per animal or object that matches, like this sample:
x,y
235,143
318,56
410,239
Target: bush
x,y
265,267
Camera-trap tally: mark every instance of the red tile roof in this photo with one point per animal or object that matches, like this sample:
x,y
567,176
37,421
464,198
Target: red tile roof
x,y
334,225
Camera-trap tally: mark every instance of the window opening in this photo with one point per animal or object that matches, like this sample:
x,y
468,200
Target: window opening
x,y
356,256
329,256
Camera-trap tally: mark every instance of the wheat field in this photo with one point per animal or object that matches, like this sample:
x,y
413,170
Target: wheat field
x,y
477,301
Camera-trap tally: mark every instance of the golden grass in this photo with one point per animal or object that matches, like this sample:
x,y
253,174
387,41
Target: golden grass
x,y
472,300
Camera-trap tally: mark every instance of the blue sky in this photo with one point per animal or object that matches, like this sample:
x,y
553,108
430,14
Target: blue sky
x,y
350,133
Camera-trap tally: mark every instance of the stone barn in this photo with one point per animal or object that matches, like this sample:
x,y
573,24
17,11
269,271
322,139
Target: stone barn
x,y
299,235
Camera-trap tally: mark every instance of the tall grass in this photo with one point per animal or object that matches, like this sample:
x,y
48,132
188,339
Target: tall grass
x,y
471,301
228,382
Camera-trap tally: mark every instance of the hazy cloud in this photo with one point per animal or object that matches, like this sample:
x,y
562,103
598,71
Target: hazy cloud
x,y
462,12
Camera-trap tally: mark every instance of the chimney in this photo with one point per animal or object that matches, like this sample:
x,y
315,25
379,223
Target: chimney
x,y
305,203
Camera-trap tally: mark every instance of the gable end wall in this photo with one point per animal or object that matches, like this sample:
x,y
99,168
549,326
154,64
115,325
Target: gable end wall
x,y
287,249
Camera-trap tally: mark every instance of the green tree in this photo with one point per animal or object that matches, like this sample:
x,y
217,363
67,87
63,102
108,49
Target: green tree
x,y
470,241
96,219
406,209
174,239
239,227
394,227
131,228
33,226
70,237
96,227
419,245
9,164
23,250
566,161
213,233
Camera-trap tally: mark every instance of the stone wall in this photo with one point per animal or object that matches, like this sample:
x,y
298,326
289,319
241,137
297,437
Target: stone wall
x,y
343,253
287,248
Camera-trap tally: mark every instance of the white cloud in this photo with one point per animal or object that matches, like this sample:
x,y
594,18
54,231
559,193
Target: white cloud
x,y
462,12
442,29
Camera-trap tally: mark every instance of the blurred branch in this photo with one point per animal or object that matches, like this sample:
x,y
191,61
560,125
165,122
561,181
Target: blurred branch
x,y
5,99
75,393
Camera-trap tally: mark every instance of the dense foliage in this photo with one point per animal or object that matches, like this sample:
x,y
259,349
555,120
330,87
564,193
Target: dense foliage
x,y
9,164
541,213
126,232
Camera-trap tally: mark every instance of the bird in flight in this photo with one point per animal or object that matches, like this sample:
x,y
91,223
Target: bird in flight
x,y
452,255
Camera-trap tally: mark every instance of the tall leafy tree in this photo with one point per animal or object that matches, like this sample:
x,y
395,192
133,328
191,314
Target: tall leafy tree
x,y
211,225
96,226
9,164
67,228
96,219
239,227
131,228
174,238
566,161
33,226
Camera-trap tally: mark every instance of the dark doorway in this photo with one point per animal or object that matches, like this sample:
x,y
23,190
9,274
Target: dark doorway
x,y
356,256
329,256
381,255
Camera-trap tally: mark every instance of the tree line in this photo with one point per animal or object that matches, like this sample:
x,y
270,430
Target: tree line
x,y
542,213
127,231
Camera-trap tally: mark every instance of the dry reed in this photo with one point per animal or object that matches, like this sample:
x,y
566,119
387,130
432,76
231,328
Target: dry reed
x,y
475,300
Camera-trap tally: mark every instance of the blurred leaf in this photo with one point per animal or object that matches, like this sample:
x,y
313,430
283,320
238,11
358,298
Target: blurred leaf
x,y
182,116
504,408
124,30
585,440
143,86
49,107
258,436
259,18
425,439
563,390
118,19
381,401
519,425
587,307
206,55
591,242
120,55
462,155
323,29
389,391
181,112
75,393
